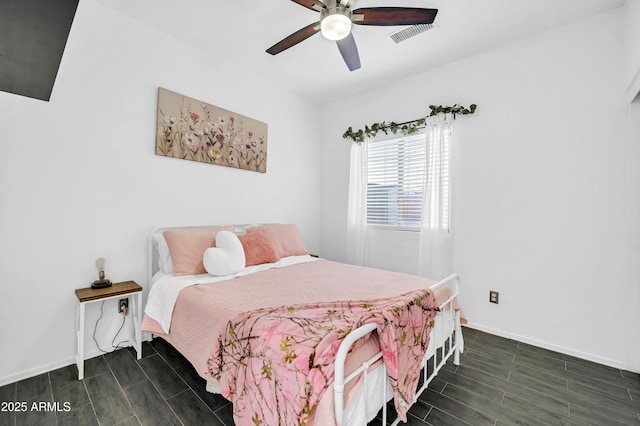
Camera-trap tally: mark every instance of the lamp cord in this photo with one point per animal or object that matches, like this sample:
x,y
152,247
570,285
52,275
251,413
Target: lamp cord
x,y
95,329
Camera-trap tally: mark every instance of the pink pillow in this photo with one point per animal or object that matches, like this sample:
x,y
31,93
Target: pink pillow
x,y
285,238
258,248
187,246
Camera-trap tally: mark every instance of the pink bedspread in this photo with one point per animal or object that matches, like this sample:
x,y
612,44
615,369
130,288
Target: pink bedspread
x,y
202,311
275,364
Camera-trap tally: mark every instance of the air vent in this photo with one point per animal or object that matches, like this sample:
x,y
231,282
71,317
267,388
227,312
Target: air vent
x,y
411,31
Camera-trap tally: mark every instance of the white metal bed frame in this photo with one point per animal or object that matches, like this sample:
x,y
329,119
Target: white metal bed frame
x,y
452,345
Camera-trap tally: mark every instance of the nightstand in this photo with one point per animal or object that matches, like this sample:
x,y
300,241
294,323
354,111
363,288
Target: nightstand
x,y
117,290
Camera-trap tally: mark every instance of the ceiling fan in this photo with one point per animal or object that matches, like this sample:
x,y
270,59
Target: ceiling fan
x,y
336,18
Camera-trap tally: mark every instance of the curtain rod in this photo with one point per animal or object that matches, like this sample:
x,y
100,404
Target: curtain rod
x,y
407,127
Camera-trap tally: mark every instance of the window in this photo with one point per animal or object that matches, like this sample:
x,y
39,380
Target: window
x,y
395,181
395,175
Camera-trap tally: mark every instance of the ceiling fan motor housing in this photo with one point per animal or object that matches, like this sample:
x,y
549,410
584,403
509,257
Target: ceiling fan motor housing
x,y
335,20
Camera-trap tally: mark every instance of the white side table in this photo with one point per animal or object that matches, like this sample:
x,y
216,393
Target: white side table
x,y
117,290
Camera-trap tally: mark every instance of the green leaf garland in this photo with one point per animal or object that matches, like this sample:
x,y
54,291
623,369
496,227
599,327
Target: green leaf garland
x,y
406,128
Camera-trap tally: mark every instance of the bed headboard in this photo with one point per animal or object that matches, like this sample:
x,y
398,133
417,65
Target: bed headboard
x,y
152,247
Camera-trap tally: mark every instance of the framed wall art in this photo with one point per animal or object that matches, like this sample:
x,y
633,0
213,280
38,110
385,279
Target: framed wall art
x,y
194,130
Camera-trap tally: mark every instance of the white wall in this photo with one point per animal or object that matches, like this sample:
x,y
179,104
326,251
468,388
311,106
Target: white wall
x,y
633,343
79,178
544,186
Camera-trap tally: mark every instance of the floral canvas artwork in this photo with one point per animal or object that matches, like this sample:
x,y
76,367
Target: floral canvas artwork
x,y
197,131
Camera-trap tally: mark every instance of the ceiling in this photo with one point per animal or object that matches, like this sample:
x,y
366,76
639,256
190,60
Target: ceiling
x,y
239,32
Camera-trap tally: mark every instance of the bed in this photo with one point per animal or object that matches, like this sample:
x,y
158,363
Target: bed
x,y
238,330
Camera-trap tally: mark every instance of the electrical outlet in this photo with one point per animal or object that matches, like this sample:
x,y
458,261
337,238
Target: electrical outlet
x,y
493,296
123,304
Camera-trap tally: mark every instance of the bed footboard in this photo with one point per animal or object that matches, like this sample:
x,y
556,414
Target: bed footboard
x,y
446,340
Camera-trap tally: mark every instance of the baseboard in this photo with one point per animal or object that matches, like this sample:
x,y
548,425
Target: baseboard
x,y
53,366
524,339
35,371
546,345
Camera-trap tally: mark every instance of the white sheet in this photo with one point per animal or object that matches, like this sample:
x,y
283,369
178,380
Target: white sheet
x,y
164,292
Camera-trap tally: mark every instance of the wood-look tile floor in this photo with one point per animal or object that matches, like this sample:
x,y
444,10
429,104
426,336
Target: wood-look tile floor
x,y
498,382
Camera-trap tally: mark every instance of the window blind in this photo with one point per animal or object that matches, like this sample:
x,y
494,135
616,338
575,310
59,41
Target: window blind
x,y
395,178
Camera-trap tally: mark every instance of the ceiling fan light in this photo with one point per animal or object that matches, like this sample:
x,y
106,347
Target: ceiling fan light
x,y
336,26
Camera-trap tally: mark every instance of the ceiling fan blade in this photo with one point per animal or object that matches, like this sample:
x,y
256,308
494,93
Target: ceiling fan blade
x,y
394,16
294,38
349,52
310,4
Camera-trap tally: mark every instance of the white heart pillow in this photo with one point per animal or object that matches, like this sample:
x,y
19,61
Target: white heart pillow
x,y
227,257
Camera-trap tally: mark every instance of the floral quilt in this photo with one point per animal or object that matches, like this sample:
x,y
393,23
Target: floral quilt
x,y
275,363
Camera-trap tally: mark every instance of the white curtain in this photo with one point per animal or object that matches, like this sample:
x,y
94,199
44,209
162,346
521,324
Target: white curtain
x,y
358,251
436,242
